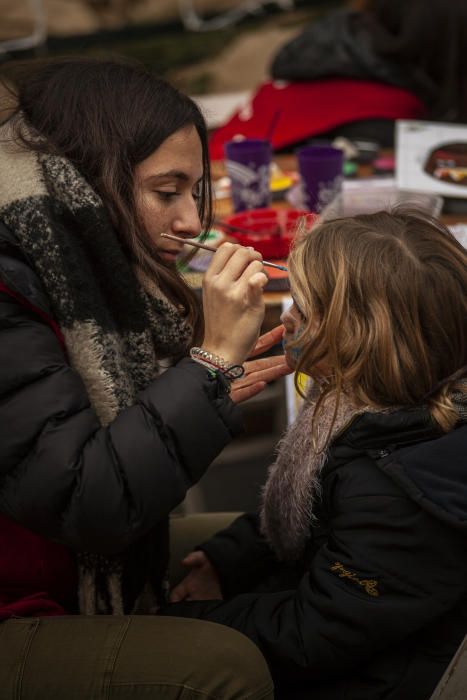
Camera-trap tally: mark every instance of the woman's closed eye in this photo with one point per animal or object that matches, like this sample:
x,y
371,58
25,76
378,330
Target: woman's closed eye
x,y
166,196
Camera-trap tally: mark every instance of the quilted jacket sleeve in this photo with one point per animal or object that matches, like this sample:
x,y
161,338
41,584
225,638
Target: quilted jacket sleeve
x,y
64,476
240,555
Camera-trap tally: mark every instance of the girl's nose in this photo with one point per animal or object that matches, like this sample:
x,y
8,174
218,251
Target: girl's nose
x,y
285,317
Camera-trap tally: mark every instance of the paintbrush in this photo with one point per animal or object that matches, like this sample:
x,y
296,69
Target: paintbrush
x,y
195,244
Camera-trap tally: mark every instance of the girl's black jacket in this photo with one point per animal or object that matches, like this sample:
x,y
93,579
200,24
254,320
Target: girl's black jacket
x,y
378,606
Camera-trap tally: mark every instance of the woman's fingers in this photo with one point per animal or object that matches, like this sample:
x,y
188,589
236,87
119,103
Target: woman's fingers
x,y
243,261
268,340
239,394
257,374
220,259
230,260
266,367
180,592
265,370
233,302
196,558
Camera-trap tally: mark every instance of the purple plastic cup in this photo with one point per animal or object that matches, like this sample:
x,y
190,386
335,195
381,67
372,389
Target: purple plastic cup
x,y
248,165
321,174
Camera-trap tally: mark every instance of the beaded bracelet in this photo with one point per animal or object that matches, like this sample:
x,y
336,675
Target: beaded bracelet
x,y
212,361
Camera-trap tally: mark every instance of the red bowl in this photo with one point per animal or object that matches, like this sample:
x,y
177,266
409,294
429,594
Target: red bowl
x,y
269,231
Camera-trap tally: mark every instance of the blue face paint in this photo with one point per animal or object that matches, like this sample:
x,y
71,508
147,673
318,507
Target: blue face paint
x,y
297,351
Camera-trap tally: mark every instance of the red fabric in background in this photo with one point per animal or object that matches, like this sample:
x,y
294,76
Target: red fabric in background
x,y
297,111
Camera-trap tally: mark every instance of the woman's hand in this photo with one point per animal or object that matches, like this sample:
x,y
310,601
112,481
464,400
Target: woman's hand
x,y
233,302
201,583
259,372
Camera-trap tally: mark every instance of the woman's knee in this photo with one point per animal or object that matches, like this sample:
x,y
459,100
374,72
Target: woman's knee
x,y
203,657
123,658
244,665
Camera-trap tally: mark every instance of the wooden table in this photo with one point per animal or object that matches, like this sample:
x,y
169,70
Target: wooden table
x,y
288,162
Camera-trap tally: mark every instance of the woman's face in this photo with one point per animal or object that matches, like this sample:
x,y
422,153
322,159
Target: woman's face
x,y
167,186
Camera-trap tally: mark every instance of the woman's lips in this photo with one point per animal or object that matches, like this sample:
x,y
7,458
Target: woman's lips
x,y
171,253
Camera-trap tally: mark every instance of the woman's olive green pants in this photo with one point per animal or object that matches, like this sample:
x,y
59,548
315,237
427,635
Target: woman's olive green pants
x,y
134,657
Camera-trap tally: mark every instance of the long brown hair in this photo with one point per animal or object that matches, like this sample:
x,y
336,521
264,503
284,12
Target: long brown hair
x,y
106,116
384,296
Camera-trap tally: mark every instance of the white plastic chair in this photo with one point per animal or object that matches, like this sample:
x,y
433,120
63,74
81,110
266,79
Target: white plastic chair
x,y
453,684
39,33
193,22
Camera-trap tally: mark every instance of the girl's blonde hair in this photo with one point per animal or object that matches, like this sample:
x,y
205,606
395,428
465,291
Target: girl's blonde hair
x,y
384,297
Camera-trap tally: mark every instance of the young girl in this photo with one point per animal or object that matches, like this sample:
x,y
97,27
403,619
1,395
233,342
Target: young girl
x,y
353,580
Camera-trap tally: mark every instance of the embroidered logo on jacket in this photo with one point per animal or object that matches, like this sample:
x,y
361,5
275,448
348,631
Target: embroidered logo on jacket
x,y
370,585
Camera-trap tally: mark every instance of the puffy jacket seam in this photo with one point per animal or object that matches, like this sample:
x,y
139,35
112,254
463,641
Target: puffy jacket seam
x,y
30,381
217,396
164,435
22,464
121,470
68,504
387,496
218,405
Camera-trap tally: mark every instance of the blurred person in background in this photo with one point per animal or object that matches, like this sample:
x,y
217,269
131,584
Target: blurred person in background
x,y
417,45
353,72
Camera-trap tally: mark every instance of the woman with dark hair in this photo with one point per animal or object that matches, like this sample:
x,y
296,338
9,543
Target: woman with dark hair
x,y
352,579
109,411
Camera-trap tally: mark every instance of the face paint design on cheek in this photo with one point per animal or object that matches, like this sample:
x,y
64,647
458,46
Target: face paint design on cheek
x,y
297,351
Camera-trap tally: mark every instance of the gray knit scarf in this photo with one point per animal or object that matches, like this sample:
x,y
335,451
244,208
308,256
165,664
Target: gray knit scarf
x,y
115,322
293,486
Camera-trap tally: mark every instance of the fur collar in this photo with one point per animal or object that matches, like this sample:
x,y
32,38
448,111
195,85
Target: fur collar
x,y
293,486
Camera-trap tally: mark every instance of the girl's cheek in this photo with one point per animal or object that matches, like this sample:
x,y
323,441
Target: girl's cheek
x,y
296,351
294,354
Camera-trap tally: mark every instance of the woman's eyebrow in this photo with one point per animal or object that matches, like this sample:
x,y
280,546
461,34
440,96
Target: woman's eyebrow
x,y
174,174
171,175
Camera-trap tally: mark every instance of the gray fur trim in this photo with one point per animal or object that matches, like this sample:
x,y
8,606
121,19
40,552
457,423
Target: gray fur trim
x,y
293,485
